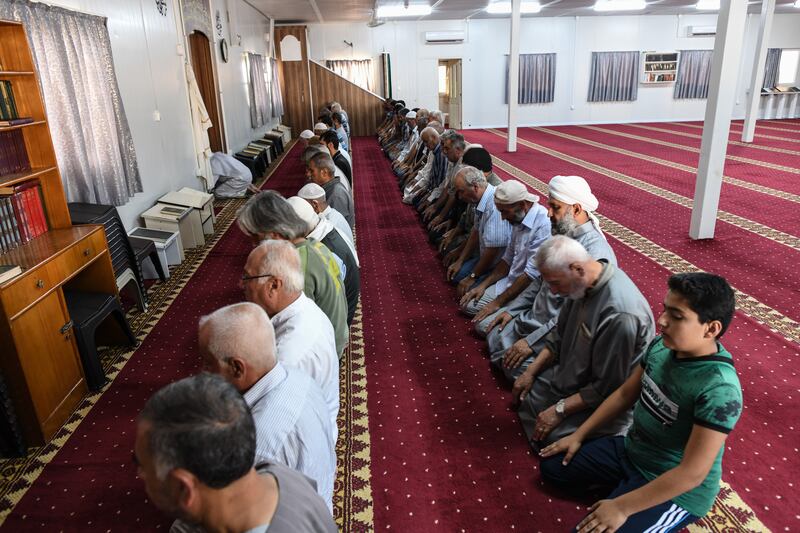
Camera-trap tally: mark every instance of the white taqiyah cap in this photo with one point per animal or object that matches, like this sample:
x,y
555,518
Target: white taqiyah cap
x,y
304,211
306,134
311,191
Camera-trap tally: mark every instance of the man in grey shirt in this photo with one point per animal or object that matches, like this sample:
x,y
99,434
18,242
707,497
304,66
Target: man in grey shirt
x,y
604,327
195,447
321,169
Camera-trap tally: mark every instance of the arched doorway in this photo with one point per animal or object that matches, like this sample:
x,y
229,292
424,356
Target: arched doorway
x,y
202,65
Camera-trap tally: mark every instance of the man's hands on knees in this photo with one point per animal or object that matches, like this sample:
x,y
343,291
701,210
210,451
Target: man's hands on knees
x,y
546,422
500,321
568,445
488,309
604,516
472,294
515,355
522,387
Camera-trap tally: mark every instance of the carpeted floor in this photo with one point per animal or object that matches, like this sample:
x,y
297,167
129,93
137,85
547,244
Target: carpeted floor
x,y
429,441
649,236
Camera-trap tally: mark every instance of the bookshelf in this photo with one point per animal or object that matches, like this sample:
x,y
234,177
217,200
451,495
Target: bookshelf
x,y
659,67
40,362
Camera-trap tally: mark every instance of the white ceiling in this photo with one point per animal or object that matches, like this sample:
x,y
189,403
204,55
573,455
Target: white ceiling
x,y
311,11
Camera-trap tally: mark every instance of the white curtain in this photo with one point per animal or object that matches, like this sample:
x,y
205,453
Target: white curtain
x,y
537,78
91,136
614,77
771,68
694,73
359,71
275,88
259,96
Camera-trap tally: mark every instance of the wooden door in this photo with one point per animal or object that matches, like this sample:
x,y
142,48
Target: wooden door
x,y
295,76
204,72
51,363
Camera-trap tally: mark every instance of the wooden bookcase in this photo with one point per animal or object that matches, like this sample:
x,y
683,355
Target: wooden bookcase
x,y
39,358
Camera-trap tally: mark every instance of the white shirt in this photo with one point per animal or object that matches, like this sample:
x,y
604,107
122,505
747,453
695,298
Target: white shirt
x,y
293,426
339,222
337,173
304,338
520,254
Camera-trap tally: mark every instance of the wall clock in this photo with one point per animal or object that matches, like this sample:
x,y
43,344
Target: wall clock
x,y
223,50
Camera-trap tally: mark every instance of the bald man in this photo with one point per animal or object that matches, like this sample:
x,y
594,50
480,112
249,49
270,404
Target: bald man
x,y
304,336
293,425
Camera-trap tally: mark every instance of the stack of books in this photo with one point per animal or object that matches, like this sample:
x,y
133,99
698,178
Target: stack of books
x,y
13,156
22,215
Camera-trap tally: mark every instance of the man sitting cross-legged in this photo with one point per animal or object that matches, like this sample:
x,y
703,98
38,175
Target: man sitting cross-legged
x,y
293,423
304,336
686,399
603,329
195,450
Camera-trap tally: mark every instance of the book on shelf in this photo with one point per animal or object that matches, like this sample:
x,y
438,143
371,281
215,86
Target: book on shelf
x,y
16,121
9,271
13,155
22,214
8,106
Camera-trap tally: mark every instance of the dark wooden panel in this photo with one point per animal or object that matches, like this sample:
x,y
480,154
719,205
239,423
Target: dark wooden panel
x,y
202,67
364,109
294,82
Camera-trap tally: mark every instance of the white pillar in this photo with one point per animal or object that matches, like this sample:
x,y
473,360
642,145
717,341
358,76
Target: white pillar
x,y
719,108
513,76
757,74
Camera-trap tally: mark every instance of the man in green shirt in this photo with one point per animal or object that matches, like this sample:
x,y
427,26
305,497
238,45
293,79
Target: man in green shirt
x,y
268,215
686,398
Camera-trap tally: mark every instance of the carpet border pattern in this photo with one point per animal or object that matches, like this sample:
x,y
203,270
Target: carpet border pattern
x,y
352,496
754,227
735,143
730,512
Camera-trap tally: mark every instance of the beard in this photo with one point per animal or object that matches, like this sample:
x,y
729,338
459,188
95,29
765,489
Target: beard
x,y
518,216
563,226
577,291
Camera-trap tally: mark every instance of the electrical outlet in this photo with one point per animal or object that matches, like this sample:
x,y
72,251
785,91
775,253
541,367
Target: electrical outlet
x,y
156,116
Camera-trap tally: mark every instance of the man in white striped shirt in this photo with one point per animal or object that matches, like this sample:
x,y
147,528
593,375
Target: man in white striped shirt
x,y
304,336
293,424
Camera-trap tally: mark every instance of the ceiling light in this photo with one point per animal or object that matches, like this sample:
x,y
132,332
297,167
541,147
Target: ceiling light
x,y
797,4
399,10
620,5
504,8
707,5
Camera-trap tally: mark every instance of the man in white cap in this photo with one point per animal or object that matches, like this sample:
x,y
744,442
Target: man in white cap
x,y
411,118
321,230
519,332
517,268
305,135
320,128
315,195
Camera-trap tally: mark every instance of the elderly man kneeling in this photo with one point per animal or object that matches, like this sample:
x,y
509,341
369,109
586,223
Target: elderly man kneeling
x,y
603,329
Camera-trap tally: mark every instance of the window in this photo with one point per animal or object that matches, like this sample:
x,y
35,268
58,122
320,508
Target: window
x,y
443,79
787,71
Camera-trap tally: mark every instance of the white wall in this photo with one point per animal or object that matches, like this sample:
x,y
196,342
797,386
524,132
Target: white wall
x,y
151,79
248,31
572,39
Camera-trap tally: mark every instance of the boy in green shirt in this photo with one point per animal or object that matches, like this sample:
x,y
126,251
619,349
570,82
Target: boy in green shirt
x,y
665,473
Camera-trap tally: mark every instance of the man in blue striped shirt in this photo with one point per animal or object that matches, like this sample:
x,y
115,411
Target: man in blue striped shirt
x,y
293,425
517,269
490,233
